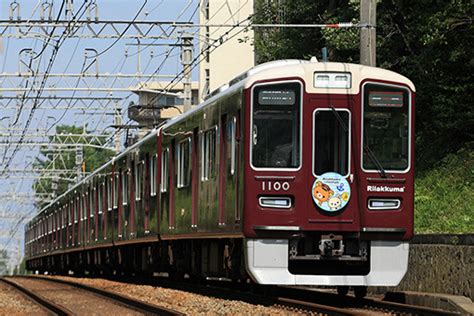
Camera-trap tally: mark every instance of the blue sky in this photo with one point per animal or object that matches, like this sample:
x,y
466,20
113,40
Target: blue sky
x,y
121,58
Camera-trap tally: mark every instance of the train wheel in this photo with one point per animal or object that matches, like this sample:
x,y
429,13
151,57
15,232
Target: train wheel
x,y
342,290
360,291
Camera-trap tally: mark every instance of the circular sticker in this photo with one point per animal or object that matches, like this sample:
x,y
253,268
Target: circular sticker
x,y
331,192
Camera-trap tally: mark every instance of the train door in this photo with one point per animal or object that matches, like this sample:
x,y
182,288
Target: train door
x,y
331,206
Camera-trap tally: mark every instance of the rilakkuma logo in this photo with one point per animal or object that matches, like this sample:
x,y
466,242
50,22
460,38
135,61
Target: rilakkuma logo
x,y
331,192
384,188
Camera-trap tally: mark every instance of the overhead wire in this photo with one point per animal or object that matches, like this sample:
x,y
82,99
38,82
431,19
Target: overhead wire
x,y
43,82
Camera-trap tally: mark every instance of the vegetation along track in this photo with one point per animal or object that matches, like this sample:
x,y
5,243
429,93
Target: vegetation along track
x,y
66,298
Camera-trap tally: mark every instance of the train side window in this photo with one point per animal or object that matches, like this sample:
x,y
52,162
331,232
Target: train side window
x,y
116,190
64,215
208,153
153,175
82,208
69,213
92,201
331,136
138,180
125,187
231,141
101,197
76,210
109,193
184,157
165,170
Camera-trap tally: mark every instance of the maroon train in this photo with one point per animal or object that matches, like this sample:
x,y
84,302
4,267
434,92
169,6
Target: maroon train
x,y
295,172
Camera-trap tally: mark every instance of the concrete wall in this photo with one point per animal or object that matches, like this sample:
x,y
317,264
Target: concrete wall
x,y
439,268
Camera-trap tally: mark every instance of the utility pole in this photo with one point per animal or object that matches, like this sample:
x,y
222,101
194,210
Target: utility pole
x,y
368,9
186,58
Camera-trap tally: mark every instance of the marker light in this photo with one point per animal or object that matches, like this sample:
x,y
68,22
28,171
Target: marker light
x,y
274,202
384,204
341,80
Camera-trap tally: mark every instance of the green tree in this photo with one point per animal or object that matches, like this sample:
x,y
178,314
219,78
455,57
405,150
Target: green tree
x,y
3,262
64,160
427,41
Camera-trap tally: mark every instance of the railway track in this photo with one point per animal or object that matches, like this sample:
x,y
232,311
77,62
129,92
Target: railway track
x,y
302,300
49,306
293,300
298,300
61,297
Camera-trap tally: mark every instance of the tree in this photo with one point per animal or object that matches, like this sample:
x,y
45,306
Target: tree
x,y
427,41
3,262
61,162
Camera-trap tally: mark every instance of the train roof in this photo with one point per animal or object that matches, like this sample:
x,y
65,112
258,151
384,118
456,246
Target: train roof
x,y
291,68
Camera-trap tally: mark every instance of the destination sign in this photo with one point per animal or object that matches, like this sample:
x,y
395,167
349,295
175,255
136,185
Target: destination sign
x,y
386,99
276,97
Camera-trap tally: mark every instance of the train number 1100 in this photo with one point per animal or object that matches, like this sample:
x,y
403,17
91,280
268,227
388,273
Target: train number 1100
x,y
275,186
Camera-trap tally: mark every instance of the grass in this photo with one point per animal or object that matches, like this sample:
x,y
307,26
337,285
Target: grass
x,y
444,196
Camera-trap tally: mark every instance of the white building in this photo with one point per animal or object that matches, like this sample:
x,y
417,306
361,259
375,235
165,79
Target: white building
x,y
225,55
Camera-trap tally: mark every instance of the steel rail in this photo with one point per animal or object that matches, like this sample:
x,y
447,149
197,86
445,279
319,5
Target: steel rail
x,y
38,299
128,302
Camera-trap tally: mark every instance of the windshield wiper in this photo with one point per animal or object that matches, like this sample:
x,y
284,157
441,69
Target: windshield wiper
x,y
367,149
375,161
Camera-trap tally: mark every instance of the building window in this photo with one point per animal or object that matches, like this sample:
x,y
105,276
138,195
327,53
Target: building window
x,y
184,157
165,170
153,175
208,153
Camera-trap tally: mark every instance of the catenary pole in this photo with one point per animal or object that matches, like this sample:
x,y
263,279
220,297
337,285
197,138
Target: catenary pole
x,y
367,32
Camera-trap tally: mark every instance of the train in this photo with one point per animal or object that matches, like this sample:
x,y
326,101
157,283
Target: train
x,y
296,172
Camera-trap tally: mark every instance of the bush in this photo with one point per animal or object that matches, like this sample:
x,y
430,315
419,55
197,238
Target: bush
x,y
444,196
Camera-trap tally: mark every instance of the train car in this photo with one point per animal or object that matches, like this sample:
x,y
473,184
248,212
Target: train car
x,y
294,173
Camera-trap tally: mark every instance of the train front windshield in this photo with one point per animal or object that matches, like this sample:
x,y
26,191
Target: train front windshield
x,y
385,128
276,121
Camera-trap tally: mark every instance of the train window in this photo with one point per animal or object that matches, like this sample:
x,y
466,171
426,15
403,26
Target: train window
x,y
69,213
208,153
231,142
84,207
385,128
164,170
124,187
276,126
101,198
116,190
138,180
109,193
331,130
76,210
153,175
184,157
92,201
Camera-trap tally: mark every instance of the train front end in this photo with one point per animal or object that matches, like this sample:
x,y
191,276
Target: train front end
x,y
328,176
